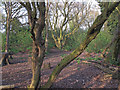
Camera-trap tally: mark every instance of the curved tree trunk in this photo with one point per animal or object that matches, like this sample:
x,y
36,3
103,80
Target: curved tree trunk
x,y
92,33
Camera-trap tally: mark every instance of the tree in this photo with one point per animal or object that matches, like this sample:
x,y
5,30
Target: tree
x,y
36,19
116,52
4,59
12,10
61,14
8,12
47,26
113,29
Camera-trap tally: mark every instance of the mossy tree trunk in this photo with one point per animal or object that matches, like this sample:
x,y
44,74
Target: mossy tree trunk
x,y
116,53
91,34
36,18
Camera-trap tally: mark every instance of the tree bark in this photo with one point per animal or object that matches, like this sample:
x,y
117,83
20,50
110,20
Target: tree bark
x,y
46,36
116,52
91,34
38,50
8,26
36,18
8,7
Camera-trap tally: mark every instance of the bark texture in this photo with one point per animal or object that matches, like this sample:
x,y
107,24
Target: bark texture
x,y
91,34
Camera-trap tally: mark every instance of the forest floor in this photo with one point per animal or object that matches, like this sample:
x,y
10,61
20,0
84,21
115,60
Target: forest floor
x,y
73,76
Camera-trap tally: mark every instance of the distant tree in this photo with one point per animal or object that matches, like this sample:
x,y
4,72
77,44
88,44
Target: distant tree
x,y
12,12
61,14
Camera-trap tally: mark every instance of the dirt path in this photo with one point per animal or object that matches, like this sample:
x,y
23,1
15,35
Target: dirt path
x,y
73,76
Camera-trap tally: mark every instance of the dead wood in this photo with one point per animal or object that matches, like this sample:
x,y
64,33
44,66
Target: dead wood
x,y
6,87
107,68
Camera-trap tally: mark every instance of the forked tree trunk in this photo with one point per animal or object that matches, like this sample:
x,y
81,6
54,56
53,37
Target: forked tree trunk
x,y
36,18
91,34
38,50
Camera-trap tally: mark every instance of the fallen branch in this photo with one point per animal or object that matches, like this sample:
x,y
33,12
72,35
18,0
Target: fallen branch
x,y
6,86
104,66
107,68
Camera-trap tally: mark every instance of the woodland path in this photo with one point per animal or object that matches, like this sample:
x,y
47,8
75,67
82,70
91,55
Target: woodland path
x,y
73,76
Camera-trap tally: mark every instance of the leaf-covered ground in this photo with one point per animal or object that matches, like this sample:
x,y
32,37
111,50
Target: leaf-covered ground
x,y
73,76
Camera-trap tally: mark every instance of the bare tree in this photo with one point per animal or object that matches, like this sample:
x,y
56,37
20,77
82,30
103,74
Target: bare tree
x,y
61,14
12,10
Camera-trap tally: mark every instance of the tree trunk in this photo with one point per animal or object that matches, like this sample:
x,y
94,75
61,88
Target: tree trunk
x,y
46,36
38,51
36,18
103,54
5,59
37,60
8,26
91,34
116,52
